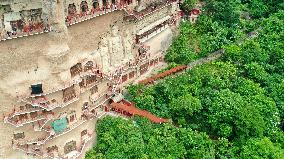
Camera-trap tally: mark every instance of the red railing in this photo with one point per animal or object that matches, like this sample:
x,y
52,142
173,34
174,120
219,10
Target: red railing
x,y
94,12
164,74
131,109
28,30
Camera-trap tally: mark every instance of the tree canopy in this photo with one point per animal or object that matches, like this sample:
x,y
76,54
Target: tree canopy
x,y
230,108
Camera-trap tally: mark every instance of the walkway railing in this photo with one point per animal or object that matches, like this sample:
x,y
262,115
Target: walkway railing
x,y
8,35
28,145
211,57
75,80
23,98
71,20
150,10
17,111
28,118
128,107
50,106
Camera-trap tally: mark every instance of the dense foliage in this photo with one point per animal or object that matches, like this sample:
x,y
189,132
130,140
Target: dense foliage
x,y
231,108
122,139
188,5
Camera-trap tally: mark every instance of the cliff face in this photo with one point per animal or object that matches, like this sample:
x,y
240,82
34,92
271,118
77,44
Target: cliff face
x,y
47,58
141,5
58,38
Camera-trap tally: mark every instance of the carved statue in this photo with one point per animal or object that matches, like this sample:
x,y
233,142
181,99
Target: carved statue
x,y
104,54
128,46
116,47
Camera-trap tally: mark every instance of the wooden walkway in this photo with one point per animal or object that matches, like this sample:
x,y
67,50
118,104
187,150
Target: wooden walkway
x,y
130,108
210,58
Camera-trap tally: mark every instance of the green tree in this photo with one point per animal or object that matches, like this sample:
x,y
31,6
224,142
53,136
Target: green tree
x,y
256,72
246,87
198,145
264,148
224,149
227,12
183,107
231,116
188,5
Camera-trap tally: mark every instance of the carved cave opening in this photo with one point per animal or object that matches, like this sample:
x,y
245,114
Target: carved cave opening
x,y
72,10
95,4
84,7
69,147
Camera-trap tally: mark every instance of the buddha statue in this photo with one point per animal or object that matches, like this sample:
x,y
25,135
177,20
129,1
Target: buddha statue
x,y
128,41
104,55
115,47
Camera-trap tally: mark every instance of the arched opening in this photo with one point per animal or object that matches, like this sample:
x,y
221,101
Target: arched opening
x,y
84,7
69,147
14,26
36,15
142,51
88,66
84,132
85,106
124,78
94,89
76,69
72,9
82,83
95,4
113,1
69,94
122,2
126,1
131,74
91,79
52,149
104,3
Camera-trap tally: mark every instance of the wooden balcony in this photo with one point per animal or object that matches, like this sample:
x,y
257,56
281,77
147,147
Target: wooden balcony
x,y
23,119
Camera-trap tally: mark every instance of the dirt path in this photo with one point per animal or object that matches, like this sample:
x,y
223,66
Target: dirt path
x,y
211,57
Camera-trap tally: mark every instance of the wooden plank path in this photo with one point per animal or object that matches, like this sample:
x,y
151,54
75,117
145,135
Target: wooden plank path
x,y
128,107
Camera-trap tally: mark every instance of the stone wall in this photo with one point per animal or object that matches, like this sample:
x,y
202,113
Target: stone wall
x,y
152,18
18,5
47,58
